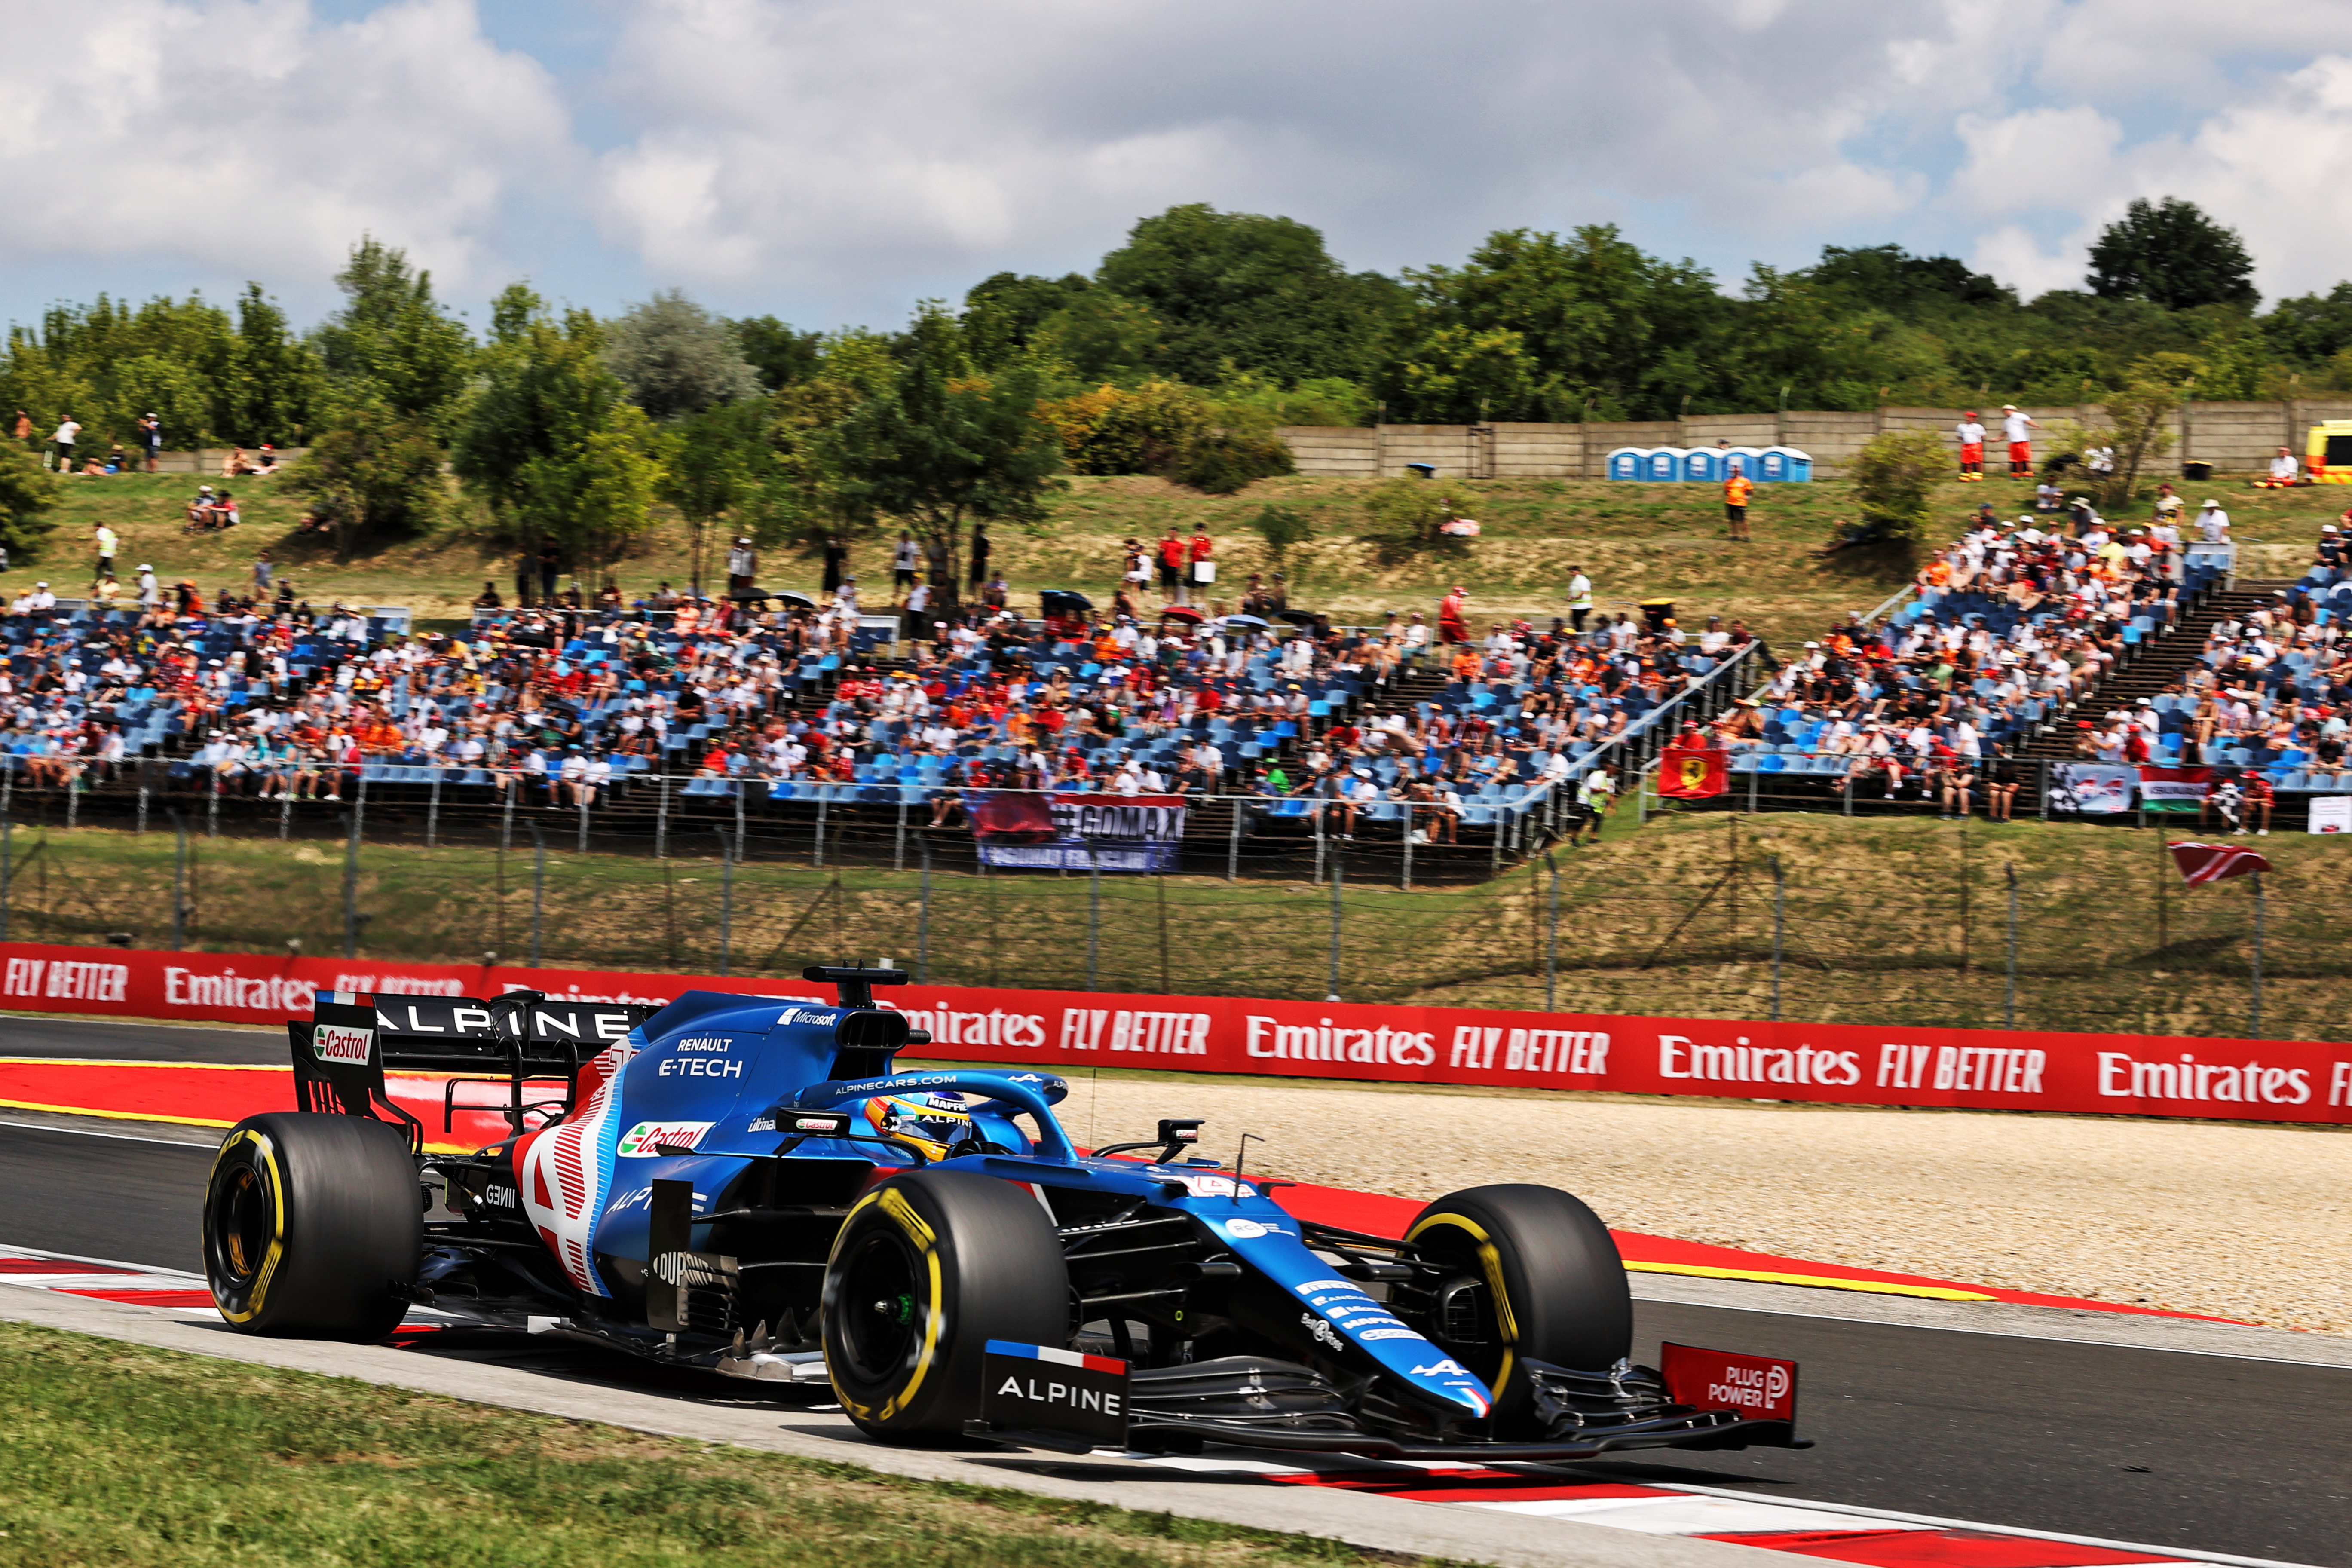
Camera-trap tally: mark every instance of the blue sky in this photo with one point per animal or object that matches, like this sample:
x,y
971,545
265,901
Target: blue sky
x,y
832,162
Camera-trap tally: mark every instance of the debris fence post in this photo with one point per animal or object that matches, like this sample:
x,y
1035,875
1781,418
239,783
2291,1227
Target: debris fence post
x,y
1234,844
432,811
923,915
1406,878
2254,994
726,899
512,787
1780,929
1094,909
538,889
7,853
351,889
661,817
1339,882
823,795
1551,937
2008,1003
211,806
142,800
179,881
899,844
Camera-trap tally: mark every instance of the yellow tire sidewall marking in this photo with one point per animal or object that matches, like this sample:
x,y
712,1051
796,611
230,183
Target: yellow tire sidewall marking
x,y
266,1165
893,1203
1490,1262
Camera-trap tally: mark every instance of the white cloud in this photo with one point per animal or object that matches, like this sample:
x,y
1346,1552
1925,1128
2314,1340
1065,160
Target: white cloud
x,y
250,138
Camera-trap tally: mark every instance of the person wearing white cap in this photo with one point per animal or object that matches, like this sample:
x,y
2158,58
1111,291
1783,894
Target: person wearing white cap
x,y
150,595
2013,428
2212,523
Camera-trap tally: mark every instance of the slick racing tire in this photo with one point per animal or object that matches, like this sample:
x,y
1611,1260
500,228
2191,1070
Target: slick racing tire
x,y
1529,1273
313,1226
926,1270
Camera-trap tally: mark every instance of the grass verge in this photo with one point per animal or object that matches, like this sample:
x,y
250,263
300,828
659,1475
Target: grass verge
x,y
118,1454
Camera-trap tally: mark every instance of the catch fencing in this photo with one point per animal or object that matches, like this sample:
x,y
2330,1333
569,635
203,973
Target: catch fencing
x,y
1929,925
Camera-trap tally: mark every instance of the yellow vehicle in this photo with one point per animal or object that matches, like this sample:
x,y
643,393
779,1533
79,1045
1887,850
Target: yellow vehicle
x,y
2327,453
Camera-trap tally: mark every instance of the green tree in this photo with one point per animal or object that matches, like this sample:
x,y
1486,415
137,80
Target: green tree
x,y
1098,338
2141,418
1894,476
1459,374
272,376
1601,323
2311,329
1004,313
1259,293
676,358
781,353
375,473
722,463
549,442
392,344
28,495
942,447
2170,254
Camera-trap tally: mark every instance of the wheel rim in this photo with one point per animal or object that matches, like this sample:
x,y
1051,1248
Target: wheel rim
x,y
244,1223
881,1308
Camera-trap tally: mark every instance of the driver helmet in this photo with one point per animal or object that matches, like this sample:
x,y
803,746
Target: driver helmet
x,y
937,1125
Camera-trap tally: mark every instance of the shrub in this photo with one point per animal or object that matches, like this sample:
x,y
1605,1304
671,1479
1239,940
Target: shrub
x,y
1893,476
1221,462
27,493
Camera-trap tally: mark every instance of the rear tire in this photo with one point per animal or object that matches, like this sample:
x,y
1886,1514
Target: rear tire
x,y
926,1269
1531,1273
313,1226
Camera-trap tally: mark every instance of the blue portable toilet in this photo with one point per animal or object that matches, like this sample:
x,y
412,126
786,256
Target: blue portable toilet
x,y
1627,462
1798,467
1772,465
1665,465
1747,461
1702,465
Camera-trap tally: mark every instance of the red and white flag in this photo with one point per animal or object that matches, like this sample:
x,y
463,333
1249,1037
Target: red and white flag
x,y
2203,863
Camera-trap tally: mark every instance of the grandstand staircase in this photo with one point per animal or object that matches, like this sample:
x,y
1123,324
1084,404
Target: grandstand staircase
x,y
2160,663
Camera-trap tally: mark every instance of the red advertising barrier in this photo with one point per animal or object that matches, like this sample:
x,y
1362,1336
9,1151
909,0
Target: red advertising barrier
x,y
2135,1074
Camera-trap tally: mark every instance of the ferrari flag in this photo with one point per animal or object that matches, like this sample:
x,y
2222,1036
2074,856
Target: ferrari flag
x,y
1693,773
2203,863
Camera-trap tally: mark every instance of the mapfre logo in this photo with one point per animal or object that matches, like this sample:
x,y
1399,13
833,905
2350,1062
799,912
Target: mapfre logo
x,y
650,1139
341,1043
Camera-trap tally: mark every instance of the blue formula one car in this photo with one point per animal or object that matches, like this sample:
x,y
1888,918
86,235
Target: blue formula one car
x,y
744,1184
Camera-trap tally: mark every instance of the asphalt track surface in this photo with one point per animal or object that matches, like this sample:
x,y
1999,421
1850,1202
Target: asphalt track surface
x,y
2192,1451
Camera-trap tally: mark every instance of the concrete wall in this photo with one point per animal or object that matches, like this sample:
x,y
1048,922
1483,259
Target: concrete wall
x,y
2235,437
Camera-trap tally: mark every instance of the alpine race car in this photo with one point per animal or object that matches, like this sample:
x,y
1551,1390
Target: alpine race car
x,y
744,1185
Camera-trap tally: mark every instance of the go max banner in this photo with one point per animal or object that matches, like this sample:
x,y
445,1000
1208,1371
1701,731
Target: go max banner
x,y
1065,830
2137,1074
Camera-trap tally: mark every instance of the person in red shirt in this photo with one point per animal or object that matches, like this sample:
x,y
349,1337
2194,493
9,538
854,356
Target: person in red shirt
x,y
1451,627
2259,798
1198,572
1171,567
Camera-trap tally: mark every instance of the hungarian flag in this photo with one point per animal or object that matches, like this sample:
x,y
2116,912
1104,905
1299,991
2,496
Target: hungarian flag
x,y
1693,773
2203,863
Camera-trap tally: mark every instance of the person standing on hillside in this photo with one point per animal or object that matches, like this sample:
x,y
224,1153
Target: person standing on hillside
x,y
1736,487
1171,551
1579,598
2014,428
150,439
22,430
67,434
105,541
1971,434
1198,567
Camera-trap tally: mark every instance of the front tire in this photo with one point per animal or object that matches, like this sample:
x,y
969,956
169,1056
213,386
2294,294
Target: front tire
x,y
928,1268
313,1226
1529,1273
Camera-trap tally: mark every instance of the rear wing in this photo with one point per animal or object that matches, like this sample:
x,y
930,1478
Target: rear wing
x,y
521,1039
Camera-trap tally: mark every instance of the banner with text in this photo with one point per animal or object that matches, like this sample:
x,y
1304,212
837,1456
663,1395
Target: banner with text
x,y
1068,831
1850,1064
